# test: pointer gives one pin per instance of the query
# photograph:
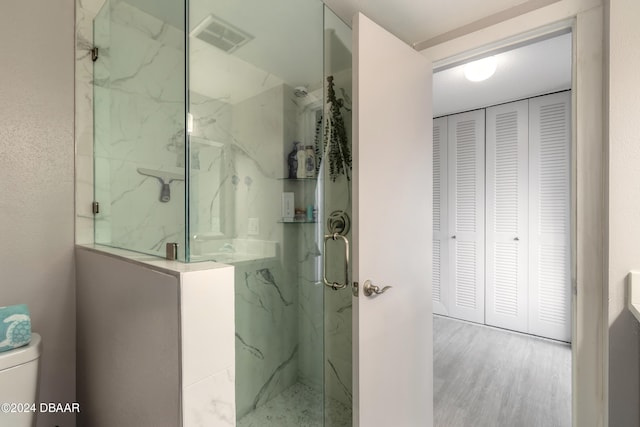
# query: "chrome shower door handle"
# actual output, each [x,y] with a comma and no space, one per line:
[370,289]
[336,285]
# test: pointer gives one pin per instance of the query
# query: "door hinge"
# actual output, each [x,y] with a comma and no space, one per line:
[94,53]
[95,208]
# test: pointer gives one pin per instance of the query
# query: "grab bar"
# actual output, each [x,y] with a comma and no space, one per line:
[336,285]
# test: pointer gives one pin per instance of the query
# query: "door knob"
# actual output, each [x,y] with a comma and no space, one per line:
[370,289]
[516,238]
[453,237]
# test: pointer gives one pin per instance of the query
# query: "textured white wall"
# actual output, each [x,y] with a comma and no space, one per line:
[624,209]
[36,183]
[129,311]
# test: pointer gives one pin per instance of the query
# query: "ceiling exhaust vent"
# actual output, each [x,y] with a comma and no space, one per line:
[221,34]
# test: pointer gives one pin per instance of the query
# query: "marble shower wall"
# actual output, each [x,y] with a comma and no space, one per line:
[261,126]
[269,313]
[309,267]
[267,350]
[266,304]
[212,192]
[139,110]
[317,327]
[142,94]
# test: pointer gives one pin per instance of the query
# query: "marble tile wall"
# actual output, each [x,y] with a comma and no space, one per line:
[267,350]
[266,300]
[310,315]
[286,321]
[136,88]
[212,192]
[267,308]
[309,246]
[146,108]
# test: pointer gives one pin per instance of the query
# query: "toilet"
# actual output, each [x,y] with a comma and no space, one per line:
[19,370]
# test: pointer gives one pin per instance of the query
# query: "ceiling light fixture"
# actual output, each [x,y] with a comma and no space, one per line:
[481,69]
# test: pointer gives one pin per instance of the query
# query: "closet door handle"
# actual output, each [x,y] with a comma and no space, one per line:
[453,237]
[516,238]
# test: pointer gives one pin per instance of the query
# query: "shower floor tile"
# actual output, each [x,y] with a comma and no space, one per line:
[297,406]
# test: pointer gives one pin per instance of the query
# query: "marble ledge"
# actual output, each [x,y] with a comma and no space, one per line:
[174,268]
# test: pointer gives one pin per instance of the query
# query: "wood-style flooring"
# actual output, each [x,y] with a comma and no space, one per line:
[487,377]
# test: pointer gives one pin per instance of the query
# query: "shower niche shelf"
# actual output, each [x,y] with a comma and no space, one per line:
[304,190]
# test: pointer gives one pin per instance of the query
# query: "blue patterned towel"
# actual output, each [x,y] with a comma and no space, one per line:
[15,327]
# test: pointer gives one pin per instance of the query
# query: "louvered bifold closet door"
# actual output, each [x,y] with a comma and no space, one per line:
[549,222]
[466,215]
[440,235]
[507,211]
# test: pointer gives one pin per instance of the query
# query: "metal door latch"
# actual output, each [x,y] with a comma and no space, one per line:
[370,289]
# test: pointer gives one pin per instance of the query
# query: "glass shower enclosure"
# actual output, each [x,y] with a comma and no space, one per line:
[224,127]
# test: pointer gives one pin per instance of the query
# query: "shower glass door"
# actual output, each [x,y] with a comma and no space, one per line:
[259,194]
[336,183]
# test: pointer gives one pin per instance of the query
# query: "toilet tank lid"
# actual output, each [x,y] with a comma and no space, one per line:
[18,356]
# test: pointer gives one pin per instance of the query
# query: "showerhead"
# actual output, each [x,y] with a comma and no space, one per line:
[300,91]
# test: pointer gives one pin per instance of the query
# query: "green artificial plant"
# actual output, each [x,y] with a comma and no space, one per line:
[336,147]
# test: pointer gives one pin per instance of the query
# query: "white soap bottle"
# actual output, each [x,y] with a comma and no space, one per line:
[310,163]
[301,156]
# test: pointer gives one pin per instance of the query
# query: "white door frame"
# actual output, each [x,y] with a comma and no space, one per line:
[589,307]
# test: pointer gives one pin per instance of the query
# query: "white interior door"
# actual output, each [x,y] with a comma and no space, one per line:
[392,230]
[550,186]
[466,215]
[507,211]
[440,288]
